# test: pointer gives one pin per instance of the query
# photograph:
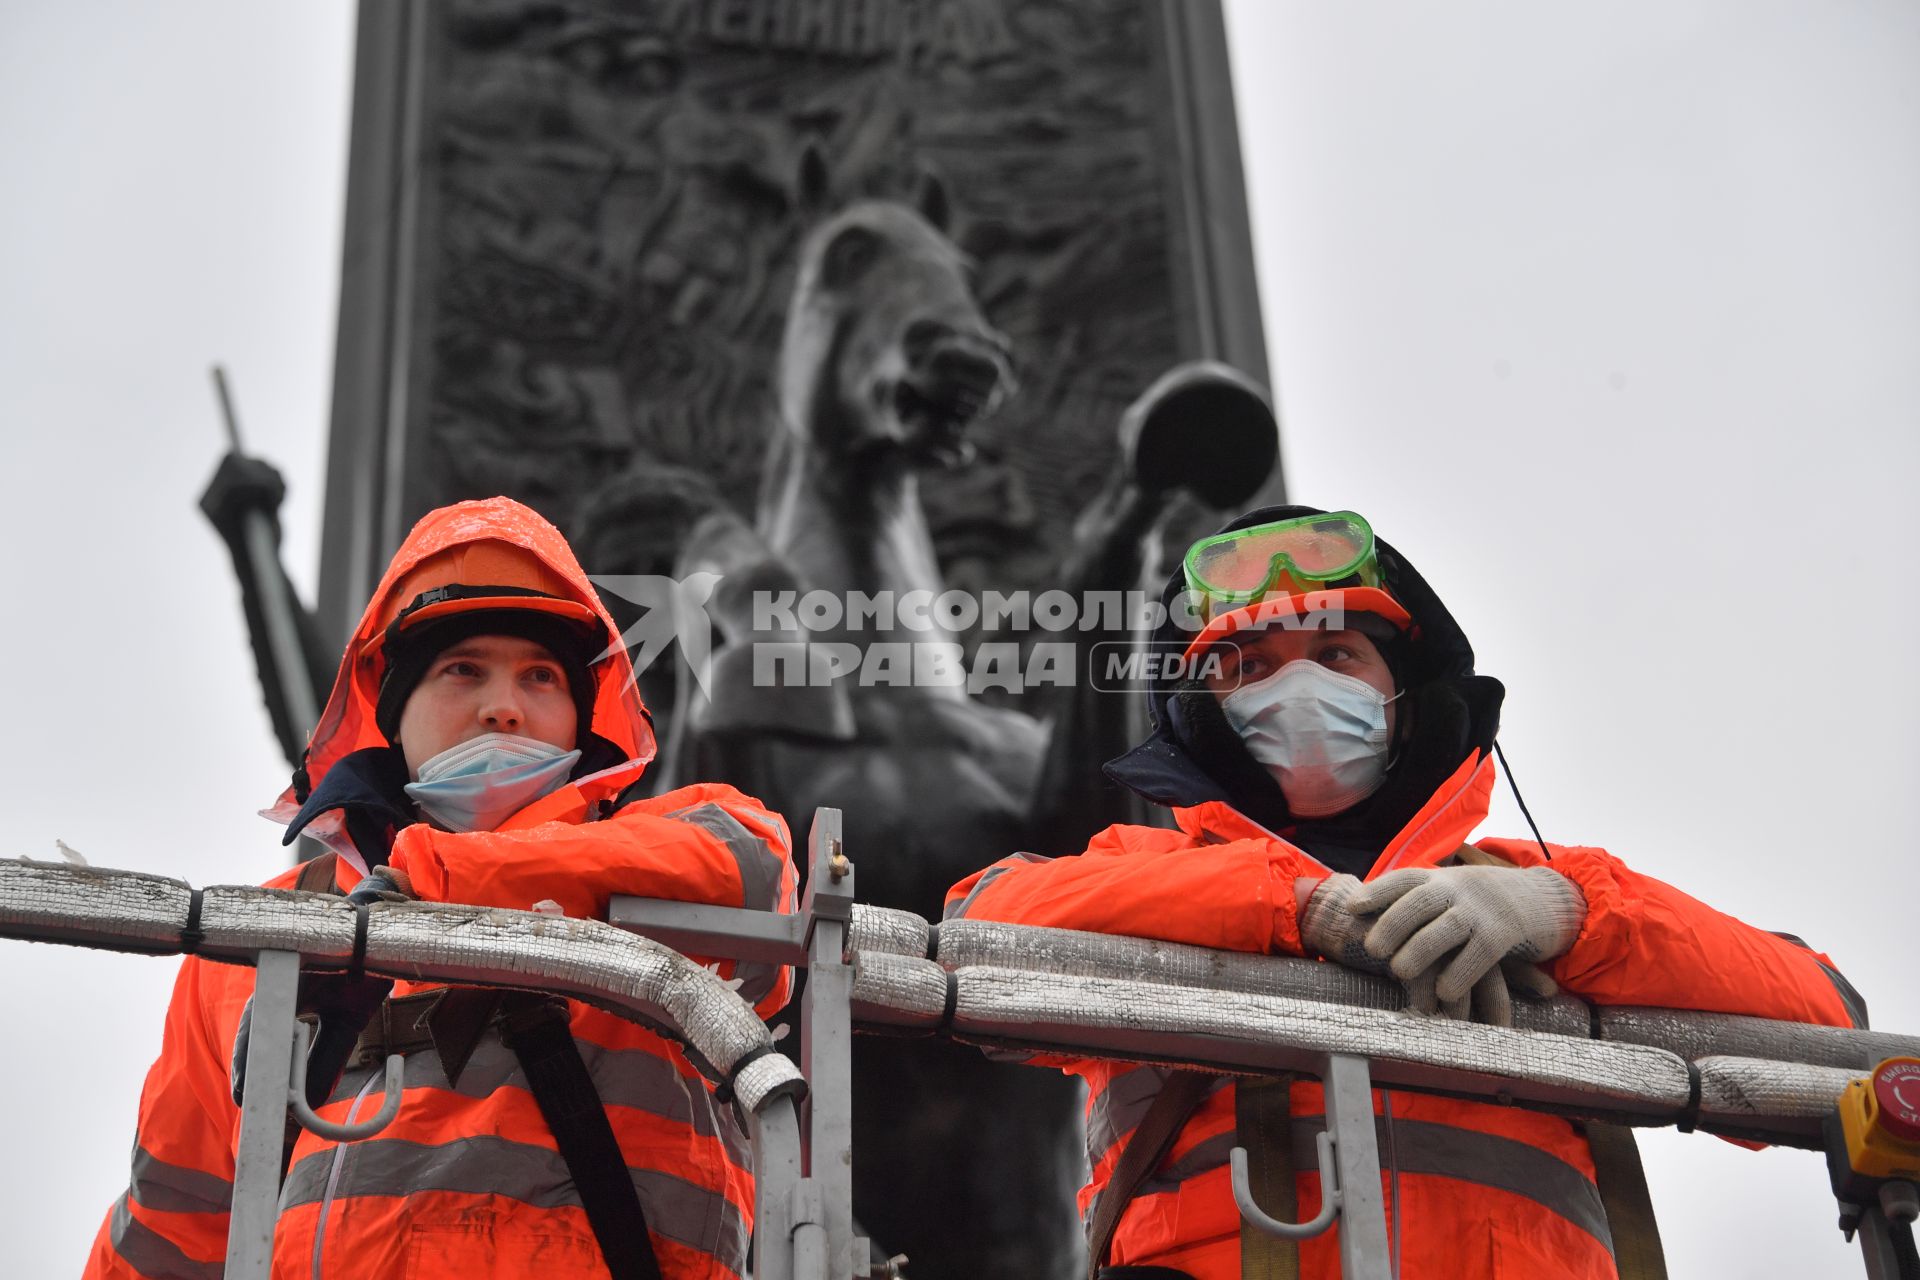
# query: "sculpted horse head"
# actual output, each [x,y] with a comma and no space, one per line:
[886,352]
[887,361]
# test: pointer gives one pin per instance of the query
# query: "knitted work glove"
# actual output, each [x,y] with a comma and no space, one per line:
[1329,927]
[382,884]
[1465,929]
[1332,927]
[1490,1000]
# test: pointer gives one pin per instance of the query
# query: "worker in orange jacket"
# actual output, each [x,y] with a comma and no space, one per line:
[481,745]
[1325,758]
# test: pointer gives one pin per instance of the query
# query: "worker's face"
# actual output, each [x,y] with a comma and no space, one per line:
[487,684]
[1251,656]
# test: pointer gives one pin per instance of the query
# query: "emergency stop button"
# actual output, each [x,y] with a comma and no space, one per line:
[1896,1088]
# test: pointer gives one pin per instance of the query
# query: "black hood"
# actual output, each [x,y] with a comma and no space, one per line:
[1193,755]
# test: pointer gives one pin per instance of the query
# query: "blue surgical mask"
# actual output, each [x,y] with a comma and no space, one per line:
[480,783]
[1322,735]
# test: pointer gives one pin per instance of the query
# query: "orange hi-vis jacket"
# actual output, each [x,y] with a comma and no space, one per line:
[1472,1190]
[467,1181]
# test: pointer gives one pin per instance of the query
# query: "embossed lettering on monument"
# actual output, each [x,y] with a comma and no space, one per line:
[967,29]
[616,241]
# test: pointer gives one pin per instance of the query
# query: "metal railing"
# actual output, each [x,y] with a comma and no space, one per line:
[995,985]
[281,933]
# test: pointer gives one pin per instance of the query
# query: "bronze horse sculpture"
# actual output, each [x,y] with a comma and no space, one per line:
[968,1167]
[887,362]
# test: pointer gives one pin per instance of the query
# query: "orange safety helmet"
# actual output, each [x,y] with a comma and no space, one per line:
[488,574]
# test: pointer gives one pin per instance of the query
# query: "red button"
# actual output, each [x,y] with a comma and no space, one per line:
[1896,1085]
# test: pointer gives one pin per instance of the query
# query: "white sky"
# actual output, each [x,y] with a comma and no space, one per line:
[1607,314]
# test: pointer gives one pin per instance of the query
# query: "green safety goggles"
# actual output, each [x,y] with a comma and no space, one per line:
[1311,553]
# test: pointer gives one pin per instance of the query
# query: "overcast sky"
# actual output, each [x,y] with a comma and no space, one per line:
[1607,314]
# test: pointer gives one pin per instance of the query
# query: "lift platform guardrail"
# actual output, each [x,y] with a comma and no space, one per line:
[1008,987]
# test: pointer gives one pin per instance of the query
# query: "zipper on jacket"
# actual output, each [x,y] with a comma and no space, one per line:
[333,1173]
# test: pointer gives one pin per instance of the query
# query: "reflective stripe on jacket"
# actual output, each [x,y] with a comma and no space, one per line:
[1471,1190]
[467,1181]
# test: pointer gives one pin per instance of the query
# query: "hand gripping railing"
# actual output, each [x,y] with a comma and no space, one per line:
[1013,987]
[1022,988]
[1134,999]
[281,932]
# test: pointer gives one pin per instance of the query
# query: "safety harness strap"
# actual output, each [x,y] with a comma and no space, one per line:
[1623,1190]
[316,876]
[535,1028]
[1152,1138]
[1263,1124]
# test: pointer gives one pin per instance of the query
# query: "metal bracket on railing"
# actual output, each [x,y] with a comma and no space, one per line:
[807,1211]
[263,1116]
[276,1079]
[312,1123]
[1349,1155]
[1885,1226]
[826,1042]
[1250,1208]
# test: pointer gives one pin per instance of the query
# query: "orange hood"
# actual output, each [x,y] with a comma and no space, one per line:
[347,724]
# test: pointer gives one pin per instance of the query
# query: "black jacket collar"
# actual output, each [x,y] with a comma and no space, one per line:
[370,787]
